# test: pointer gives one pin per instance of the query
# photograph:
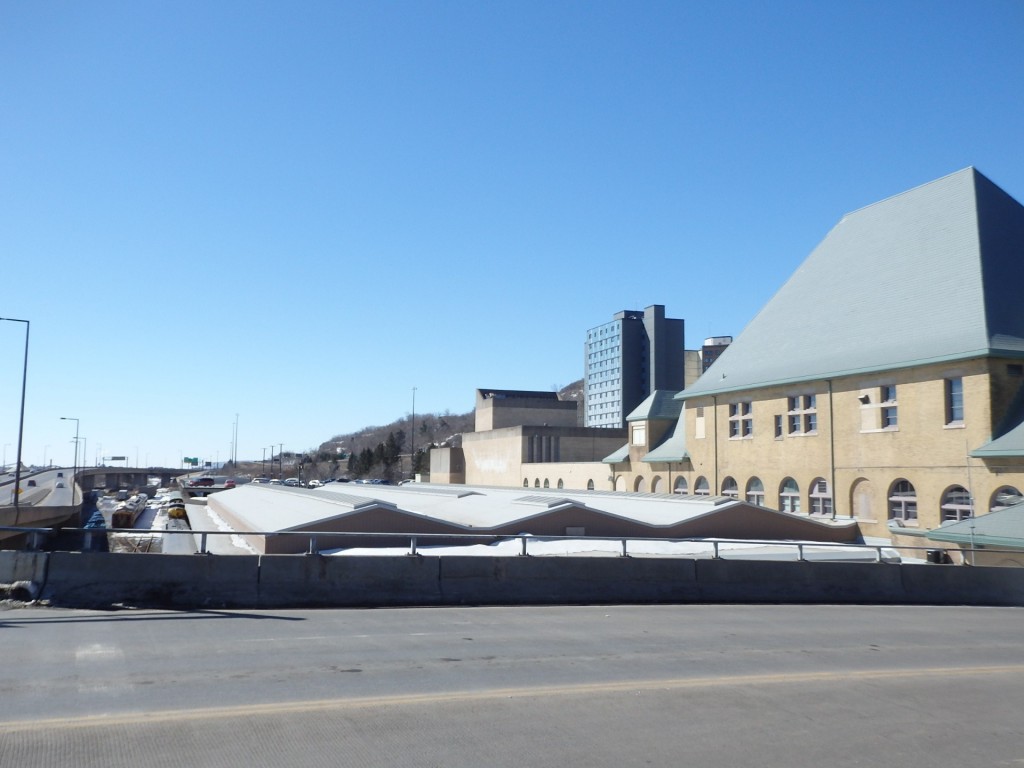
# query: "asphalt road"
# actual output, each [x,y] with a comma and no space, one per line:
[567,686]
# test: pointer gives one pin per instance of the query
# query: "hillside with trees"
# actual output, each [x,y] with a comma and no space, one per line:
[383,452]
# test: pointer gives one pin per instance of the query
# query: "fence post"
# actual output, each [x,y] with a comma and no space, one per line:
[624,553]
[202,543]
[312,546]
[715,556]
[522,551]
[412,546]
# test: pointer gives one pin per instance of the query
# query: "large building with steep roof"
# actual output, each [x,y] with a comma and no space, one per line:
[884,381]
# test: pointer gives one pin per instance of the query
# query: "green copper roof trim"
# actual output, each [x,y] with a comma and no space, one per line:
[825,376]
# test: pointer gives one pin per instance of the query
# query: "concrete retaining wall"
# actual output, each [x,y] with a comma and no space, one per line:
[99,579]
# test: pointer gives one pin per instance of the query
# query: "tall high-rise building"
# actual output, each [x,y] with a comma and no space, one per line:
[626,359]
[712,349]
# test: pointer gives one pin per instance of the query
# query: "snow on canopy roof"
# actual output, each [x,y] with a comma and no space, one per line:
[273,508]
[930,275]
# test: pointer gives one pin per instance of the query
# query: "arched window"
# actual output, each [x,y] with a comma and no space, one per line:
[546,483]
[560,484]
[681,488]
[956,504]
[701,487]
[656,484]
[1005,497]
[590,485]
[821,497]
[902,501]
[789,495]
[730,489]
[526,482]
[755,491]
[536,483]
[640,485]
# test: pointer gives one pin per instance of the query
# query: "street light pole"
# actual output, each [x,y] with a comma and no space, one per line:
[412,449]
[74,472]
[21,420]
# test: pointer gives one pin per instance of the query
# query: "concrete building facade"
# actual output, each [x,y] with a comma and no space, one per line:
[628,358]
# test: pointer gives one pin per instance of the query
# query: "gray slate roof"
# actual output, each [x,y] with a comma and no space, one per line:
[672,448]
[659,405]
[929,275]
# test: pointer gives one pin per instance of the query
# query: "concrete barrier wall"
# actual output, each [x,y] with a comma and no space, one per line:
[172,581]
[281,581]
[22,566]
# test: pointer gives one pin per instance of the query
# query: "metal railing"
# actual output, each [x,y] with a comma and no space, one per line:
[718,548]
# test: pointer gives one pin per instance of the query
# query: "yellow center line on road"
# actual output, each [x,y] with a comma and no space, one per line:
[166,717]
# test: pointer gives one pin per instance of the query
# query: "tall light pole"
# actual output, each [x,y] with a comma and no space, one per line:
[412,448]
[46,449]
[74,471]
[6,445]
[21,420]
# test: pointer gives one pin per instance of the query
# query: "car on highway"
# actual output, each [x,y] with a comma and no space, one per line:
[202,482]
[59,484]
[229,483]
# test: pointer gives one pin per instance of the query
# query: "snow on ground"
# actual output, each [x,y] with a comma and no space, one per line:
[537,547]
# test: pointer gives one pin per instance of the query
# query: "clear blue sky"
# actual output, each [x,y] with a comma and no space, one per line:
[297,212]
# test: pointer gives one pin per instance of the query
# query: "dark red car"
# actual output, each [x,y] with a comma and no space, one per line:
[202,482]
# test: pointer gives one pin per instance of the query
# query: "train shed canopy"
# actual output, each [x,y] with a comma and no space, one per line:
[345,514]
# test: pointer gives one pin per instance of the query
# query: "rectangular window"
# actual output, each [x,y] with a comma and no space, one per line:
[741,420]
[778,427]
[955,401]
[640,435]
[803,414]
[889,420]
[887,396]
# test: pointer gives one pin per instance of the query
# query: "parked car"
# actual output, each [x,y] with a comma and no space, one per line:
[313,484]
[292,481]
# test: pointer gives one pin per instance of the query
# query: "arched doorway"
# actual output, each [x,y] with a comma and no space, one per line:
[860,500]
